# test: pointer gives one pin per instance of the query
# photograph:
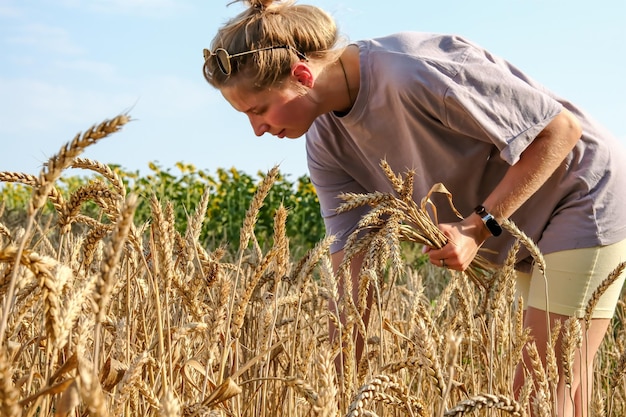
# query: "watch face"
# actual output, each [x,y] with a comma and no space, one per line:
[493,227]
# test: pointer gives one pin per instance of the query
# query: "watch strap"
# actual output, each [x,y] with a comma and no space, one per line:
[489,221]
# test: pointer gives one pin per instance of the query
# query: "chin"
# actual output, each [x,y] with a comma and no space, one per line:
[295,135]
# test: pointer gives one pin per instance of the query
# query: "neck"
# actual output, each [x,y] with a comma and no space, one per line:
[345,76]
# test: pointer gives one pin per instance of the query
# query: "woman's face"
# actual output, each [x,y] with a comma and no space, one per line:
[284,112]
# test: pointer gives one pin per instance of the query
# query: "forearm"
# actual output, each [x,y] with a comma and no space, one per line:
[536,164]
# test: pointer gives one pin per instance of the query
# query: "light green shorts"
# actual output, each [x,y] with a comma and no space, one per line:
[572,276]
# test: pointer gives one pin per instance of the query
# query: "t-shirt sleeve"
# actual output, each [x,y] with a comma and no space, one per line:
[490,99]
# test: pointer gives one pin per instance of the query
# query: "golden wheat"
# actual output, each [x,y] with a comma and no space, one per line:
[111,319]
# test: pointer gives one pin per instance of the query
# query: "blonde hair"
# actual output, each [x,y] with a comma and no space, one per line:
[307,29]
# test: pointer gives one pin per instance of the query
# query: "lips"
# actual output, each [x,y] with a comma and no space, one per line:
[281,134]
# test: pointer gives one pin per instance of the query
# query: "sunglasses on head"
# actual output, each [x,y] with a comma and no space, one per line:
[223,57]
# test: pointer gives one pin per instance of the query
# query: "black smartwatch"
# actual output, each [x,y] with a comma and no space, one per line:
[490,222]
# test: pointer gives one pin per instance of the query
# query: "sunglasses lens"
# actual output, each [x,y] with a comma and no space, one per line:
[223,60]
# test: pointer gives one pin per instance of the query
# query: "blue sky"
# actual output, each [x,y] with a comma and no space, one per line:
[68,64]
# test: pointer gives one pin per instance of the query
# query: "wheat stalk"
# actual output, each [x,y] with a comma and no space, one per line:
[59,361]
[45,185]
[242,304]
[106,282]
[406,220]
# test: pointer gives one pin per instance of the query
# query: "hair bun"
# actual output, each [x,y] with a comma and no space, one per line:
[261,4]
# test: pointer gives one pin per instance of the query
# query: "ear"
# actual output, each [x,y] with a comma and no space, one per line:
[303,74]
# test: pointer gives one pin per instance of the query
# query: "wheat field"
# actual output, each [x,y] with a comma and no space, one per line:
[105,317]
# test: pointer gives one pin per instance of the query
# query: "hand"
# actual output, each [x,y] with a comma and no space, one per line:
[464,240]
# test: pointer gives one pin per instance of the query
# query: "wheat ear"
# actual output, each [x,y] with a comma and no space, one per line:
[247,230]
[394,179]
[9,394]
[102,169]
[485,401]
[552,367]
[604,285]
[572,340]
[66,155]
[90,389]
[114,251]
[376,389]
[194,224]
[428,351]
[170,405]
[326,376]
[618,371]
[97,191]
[242,304]
[528,243]
[4,231]
[542,392]
[302,274]
[130,381]
[598,408]
[90,244]
[53,194]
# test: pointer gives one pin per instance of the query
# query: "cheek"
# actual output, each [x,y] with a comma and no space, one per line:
[295,112]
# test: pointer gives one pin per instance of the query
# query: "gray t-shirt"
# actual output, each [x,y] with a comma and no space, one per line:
[458,115]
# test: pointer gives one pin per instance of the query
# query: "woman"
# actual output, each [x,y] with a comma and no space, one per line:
[503,145]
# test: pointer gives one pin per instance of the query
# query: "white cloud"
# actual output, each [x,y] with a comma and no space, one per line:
[7,11]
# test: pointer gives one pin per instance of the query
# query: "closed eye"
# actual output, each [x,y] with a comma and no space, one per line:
[256,112]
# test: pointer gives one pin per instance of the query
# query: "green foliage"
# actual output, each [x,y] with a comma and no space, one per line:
[231,192]
[14,195]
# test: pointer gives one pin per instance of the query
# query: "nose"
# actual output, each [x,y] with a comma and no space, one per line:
[258,125]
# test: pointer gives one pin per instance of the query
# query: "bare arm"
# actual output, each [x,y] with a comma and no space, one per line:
[536,164]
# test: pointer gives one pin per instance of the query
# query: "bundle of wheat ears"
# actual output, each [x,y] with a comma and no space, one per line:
[114,318]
